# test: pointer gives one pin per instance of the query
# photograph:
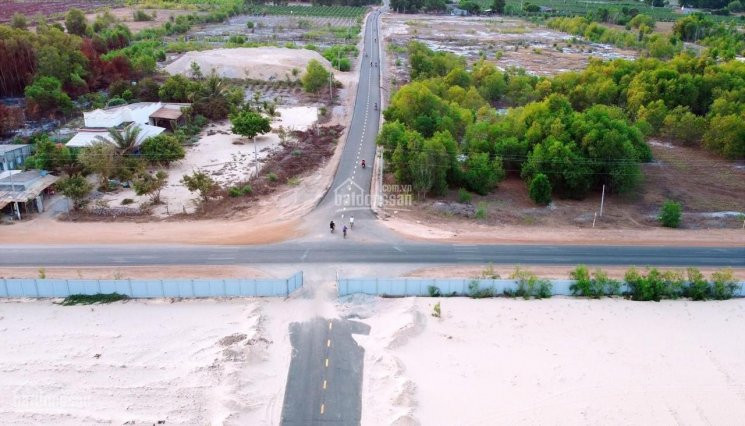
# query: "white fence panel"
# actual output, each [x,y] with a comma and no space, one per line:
[269,287]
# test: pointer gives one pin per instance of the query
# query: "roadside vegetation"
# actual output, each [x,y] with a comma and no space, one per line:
[650,284]
[90,299]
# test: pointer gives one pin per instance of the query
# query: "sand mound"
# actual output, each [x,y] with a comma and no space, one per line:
[259,63]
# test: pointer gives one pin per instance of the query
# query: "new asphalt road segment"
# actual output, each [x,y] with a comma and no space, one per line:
[325,378]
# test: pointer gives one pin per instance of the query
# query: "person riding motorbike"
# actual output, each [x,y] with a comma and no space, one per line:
[376,106]
[345,231]
[351,222]
[332,225]
[363,164]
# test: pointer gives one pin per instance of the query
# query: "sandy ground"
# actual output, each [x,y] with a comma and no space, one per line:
[542,271]
[258,63]
[161,271]
[228,158]
[472,232]
[183,362]
[555,361]
[191,362]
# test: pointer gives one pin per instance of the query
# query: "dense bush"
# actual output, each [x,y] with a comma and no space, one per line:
[475,291]
[594,286]
[540,189]
[162,149]
[529,285]
[670,214]
[654,285]
[316,77]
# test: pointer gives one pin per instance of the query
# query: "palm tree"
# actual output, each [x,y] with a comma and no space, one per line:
[125,141]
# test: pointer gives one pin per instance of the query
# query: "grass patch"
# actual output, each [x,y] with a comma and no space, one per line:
[90,299]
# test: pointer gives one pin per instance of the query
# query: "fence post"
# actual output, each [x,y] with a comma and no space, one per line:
[98,282]
[131,293]
[36,287]
[406,286]
[162,288]
[5,286]
[67,283]
[377,287]
[224,288]
[287,287]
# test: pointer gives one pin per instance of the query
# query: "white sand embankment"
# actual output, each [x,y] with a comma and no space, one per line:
[140,362]
[257,63]
[557,361]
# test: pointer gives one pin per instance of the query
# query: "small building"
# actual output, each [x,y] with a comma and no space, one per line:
[13,156]
[27,188]
[153,118]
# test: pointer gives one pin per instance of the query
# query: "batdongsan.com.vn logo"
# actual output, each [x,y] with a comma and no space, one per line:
[349,195]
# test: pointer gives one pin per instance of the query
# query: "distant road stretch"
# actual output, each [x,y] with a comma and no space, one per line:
[354,252]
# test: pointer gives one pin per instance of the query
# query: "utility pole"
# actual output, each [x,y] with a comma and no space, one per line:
[602,199]
[256,156]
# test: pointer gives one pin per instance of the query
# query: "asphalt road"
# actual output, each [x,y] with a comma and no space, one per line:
[348,251]
[324,383]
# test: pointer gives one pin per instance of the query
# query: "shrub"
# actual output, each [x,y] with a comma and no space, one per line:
[723,285]
[250,25]
[476,292]
[127,201]
[316,77]
[89,299]
[698,287]
[655,285]
[433,291]
[272,177]
[162,149]
[436,311]
[239,191]
[140,15]
[540,189]
[670,214]
[596,286]
[464,196]
[481,211]
[529,285]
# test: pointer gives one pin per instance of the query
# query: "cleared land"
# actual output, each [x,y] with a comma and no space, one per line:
[558,361]
[191,362]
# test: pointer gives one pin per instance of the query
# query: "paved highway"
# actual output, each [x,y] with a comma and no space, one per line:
[347,251]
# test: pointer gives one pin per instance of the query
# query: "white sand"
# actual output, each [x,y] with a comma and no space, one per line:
[258,63]
[556,361]
[142,362]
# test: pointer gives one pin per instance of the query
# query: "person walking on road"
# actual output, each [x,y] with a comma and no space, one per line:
[351,222]
[345,231]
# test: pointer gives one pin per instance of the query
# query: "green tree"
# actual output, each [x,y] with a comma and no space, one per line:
[497,7]
[152,185]
[249,124]
[49,156]
[100,158]
[540,189]
[162,149]
[201,183]
[316,77]
[125,140]
[178,88]
[75,22]
[482,174]
[46,96]
[76,188]
[670,214]
[726,135]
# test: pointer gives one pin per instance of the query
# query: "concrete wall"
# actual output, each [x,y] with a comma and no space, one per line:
[420,286]
[270,287]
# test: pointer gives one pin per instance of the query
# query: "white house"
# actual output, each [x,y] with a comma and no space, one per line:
[148,116]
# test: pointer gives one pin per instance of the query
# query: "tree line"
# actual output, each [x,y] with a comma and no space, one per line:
[567,135]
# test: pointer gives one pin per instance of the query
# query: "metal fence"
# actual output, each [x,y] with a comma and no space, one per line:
[188,288]
[459,287]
